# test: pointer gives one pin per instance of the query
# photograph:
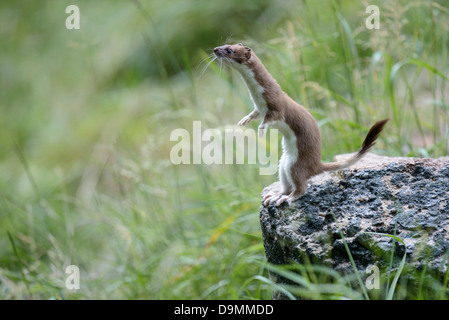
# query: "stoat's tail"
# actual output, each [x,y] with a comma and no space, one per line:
[368,143]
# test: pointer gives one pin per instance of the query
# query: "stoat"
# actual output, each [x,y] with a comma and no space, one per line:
[301,142]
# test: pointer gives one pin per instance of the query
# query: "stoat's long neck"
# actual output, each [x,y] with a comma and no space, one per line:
[261,85]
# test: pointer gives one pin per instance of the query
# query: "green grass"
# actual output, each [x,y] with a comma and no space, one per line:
[87,115]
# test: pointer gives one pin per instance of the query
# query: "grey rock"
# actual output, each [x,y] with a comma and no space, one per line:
[403,196]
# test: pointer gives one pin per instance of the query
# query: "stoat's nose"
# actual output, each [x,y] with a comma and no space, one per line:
[216,50]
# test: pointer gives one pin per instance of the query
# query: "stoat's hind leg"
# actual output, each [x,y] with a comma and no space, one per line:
[286,185]
[299,186]
[295,195]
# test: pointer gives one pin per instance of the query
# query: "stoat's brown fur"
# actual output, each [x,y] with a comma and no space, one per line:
[301,143]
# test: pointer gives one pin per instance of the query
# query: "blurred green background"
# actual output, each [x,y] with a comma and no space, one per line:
[86,116]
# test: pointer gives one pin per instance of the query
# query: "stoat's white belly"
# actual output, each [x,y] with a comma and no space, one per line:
[288,140]
[254,88]
[288,158]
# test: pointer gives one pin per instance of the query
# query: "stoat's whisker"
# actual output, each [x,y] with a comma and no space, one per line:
[221,66]
[213,58]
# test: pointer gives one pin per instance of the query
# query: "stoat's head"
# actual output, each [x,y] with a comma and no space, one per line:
[235,53]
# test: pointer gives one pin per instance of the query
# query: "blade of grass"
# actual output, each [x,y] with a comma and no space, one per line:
[359,279]
[24,279]
[313,289]
[351,61]
[275,286]
[392,288]
[296,278]
[443,289]
[26,167]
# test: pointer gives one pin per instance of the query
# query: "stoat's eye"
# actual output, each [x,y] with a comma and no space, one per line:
[229,51]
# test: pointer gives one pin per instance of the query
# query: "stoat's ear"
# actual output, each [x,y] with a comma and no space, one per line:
[247,52]
[240,44]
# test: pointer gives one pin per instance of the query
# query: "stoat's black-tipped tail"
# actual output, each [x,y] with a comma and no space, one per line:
[371,137]
[368,143]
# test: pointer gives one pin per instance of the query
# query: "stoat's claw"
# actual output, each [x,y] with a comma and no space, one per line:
[275,199]
[262,130]
[267,196]
[282,199]
[244,121]
[267,199]
[266,202]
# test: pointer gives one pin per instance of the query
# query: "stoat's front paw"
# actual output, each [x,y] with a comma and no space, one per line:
[262,130]
[244,121]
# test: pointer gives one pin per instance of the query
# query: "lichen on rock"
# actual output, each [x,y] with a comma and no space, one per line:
[408,197]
